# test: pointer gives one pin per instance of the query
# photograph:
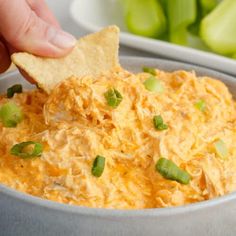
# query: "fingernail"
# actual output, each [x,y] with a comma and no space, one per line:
[62,39]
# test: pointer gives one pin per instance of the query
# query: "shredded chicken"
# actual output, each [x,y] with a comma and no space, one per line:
[75,124]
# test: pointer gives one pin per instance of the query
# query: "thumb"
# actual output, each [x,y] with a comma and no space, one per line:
[4,57]
[25,31]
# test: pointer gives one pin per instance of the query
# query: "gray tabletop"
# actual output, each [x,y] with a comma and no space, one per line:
[61,11]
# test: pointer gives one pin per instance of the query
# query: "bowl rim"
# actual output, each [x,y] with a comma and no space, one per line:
[104,212]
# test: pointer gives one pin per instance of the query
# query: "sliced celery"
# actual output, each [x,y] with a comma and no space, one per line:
[144,18]
[221,149]
[207,6]
[203,8]
[10,114]
[181,13]
[164,5]
[218,28]
[153,84]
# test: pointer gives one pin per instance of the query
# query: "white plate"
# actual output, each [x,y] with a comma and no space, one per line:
[93,15]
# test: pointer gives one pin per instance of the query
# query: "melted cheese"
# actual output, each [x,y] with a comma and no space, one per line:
[75,124]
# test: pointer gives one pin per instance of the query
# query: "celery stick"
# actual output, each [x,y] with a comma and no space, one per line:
[218,28]
[164,5]
[203,8]
[145,18]
[181,13]
[207,6]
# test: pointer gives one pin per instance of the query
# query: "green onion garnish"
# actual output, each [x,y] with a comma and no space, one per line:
[17,88]
[113,97]
[169,170]
[153,84]
[221,149]
[200,105]
[149,70]
[10,114]
[98,166]
[20,149]
[159,123]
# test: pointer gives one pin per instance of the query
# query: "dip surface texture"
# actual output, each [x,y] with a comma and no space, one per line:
[75,124]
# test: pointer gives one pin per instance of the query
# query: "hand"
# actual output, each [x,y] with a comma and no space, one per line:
[28,25]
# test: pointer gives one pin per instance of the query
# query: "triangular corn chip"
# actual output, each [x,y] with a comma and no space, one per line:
[93,54]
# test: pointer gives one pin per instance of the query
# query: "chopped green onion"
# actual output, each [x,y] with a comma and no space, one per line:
[113,97]
[169,170]
[159,123]
[17,88]
[181,14]
[98,166]
[20,149]
[10,114]
[200,105]
[221,149]
[149,70]
[153,84]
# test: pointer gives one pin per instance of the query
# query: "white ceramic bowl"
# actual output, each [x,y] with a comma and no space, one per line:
[22,214]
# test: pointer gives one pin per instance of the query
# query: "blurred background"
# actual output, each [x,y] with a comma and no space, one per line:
[61,9]
[200,32]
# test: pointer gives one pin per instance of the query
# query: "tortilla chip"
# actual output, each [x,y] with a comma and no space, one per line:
[93,54]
